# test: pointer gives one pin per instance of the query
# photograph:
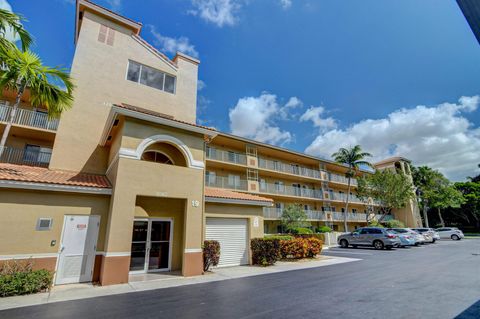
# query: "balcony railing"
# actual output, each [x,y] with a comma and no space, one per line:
[226,156]
[343,197]
[361,217]
[288,168]
[276,213]
[28,118]
[341,179]
[225,182]
[280,189]
[25,157]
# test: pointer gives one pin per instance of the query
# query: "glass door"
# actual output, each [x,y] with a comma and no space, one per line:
[151,245]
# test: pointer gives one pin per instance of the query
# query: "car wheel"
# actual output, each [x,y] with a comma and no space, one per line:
[389,247]
[416,244]
[344,243]
[377,244]
[455,237]
[433,241]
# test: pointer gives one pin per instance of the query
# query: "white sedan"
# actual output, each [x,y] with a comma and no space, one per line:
[450,233]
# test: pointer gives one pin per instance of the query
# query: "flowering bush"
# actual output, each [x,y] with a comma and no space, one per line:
[265,251]
[211,254]
[314,246]
[300,248]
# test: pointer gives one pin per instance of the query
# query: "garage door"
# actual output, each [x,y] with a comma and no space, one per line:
[232,234]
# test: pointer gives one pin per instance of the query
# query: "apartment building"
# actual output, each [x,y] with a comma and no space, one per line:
[126,182]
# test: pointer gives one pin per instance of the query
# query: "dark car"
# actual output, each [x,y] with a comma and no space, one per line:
[378,238]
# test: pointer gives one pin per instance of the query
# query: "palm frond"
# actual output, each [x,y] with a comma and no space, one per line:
[11,21]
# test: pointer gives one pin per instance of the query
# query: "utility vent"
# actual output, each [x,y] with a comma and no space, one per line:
[44,224]
[106,35]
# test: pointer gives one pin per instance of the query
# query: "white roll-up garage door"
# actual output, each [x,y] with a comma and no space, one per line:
[232,234]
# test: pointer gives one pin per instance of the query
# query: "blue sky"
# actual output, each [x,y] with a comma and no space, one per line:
[314,75]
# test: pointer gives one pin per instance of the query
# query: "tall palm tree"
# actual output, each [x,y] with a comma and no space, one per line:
[353,158]
[48,87]
[11,22]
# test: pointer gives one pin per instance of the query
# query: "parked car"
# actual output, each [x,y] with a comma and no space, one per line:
[379,238]
[434,235]
[406,239]
[450,233]
[419,238]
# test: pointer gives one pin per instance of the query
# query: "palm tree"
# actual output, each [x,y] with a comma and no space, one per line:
[353,158]
[11,22]
[49,87]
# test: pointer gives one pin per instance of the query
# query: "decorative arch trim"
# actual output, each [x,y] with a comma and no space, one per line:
[162,138]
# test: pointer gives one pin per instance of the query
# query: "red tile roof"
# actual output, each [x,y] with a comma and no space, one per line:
[157,114]
[228,194]
[24,173]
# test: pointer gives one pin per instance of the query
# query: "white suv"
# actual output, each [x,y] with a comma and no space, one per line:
[450,233]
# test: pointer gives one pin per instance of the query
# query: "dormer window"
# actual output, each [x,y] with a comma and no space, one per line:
[150,77]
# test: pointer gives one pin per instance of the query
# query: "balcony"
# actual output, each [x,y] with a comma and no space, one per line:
[225,182]
[288,168]
[337,178]
[343,197]
[226,156]
[32,157]
[359,217]
[276,213]
[280,189]
[29,118]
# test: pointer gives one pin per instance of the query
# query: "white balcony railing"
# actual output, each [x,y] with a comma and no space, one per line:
[343,197]
[226,156]
[26,156]
[288,168]
[225,182]
[28,118]
[276,213]
[280,189]
[341,179]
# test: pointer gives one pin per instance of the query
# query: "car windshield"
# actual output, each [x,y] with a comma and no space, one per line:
[403,231]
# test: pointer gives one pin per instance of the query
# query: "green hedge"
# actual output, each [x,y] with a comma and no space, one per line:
[23,283]
[280,237]
[265,251]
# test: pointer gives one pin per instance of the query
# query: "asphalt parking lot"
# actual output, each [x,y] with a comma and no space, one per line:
[440,280]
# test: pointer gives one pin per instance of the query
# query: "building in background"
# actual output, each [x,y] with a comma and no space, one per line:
[126,182]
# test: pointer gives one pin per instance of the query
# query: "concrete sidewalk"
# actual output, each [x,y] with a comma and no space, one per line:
[160,281]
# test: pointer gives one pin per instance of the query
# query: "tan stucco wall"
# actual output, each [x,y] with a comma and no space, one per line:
[238,211]
[149,207]
[20,210]
[99,72]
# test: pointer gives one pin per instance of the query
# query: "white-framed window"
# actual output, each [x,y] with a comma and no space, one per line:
[151,77]
[263,184]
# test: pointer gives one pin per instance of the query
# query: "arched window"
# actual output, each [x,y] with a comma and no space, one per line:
[157,157]
[164,153]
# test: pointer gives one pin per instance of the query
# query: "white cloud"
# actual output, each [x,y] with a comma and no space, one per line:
[315,114]
[255,118]
[115,4]
[438,136]
[286,3]
[219,12]
[201,85]
[294,102]
[172,45]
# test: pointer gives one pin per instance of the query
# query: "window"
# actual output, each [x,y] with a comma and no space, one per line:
[150,77]
[211,178]
[279,207]
[44,224]
[157,157]
[231,156]
[354,210]
[333,209]
[211,152]
[276,165]
[343,210]
[279,187]
[263,184]
[234,180]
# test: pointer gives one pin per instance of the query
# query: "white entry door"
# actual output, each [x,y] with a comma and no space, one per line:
[78,249]
[232,234]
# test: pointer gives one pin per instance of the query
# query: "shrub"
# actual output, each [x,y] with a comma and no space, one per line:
[393,223]
[318,236]
[295,248]
[302,231]
[18,278]
[280,237]
[314,246]
[375,223]
[266,251]
[211,254]
[324,229]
